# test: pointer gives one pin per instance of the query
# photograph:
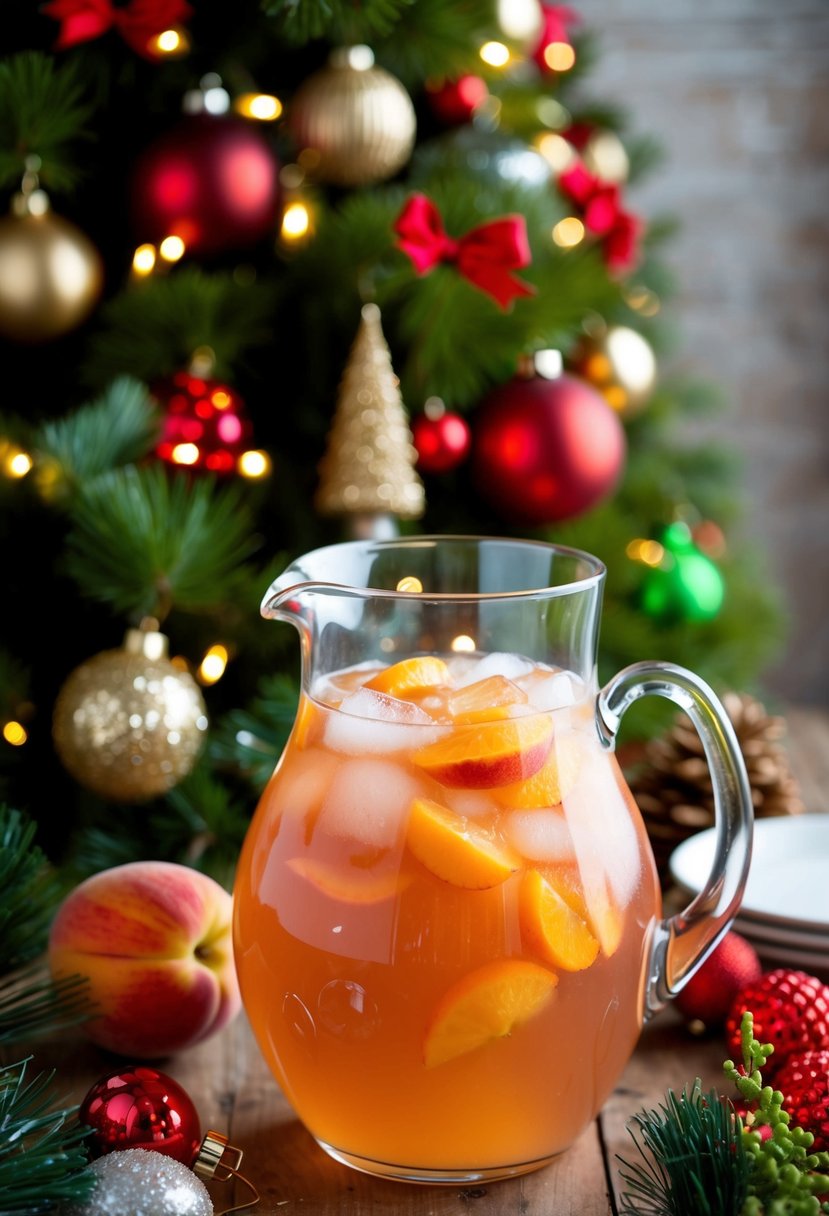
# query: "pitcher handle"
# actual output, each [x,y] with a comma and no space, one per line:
[681,943]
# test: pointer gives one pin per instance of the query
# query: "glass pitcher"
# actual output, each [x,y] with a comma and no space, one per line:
[448,925]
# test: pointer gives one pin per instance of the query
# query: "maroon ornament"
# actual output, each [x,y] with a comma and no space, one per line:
[205,426]
[441,442]
[804,1082]
[791,1011]
[212,181]
[728,969]
[140,1107]
[454,102]
[545,450]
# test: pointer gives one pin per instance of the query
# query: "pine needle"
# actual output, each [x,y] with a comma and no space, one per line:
[249,741]
[30,891]
[342,22]
[41,112]
[32,1004]
[42,1161]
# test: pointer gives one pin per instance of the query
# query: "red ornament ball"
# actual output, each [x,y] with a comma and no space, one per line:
[140,1107]
[455,101]
[441,442]
[791,1011]
[545,450]
[205,426]
[732,965]
[212,180]
[804,1082]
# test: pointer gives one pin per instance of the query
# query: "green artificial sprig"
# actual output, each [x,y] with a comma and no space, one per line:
[783,1177]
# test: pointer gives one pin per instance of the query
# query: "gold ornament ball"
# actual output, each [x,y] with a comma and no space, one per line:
[128,724]
[50,276]
[620,364]
[354,122]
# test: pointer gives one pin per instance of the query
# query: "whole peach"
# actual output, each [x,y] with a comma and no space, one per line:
[153,939]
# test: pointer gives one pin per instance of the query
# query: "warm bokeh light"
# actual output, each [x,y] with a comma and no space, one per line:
[212,666]
[559,56]
[463,643]
[296,222]
[17,463]
[171,42]
[262,106]
[185,453]
[495,54]
[14,733]
[643,300]
[254,464]
[172,248]
[648,551]
[558,152]
[220,398]
[143,260]
[410,583]
[568,232]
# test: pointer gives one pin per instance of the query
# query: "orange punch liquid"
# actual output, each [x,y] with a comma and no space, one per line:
[442,911]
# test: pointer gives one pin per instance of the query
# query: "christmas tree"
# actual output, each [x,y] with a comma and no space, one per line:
[202,215]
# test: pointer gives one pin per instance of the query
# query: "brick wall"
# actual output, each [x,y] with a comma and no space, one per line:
[737,91]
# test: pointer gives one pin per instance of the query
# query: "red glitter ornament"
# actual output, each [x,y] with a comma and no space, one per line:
[546,450]
[204,425]
[212,181]
[804,1082]
[728,969]
[140,1107]
[455,101]
[791,1011]
[442,441]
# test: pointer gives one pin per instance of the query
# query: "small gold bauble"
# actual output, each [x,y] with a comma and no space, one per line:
[50,273]
[620,364]
[128,724]
[354,122]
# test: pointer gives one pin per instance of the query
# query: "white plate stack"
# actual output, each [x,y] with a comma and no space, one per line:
[785,909]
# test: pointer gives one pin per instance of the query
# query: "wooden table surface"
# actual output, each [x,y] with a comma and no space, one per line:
[235,1094]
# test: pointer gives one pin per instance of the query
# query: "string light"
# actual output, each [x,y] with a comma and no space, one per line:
[185,453]
[296,221]
[568,232]
[463,643]
[170,43]
[143,260]
[16,462]
[262,106]
[254,464]
[212,666]
[559,56]
[495,54]
[172,248]
[650,552]
[15,733]
[411,584]
[558,152]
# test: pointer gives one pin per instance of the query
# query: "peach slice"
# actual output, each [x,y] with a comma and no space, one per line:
[490,754]
[454,850]
[410,677]
[550,783]
[551,928]
[341,884]
[485,1005]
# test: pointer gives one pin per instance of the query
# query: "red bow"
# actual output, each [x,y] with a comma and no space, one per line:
[137,23]
[555,19]
[485,256]
[603,215]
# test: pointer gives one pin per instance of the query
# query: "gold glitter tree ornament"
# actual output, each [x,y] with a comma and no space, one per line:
[128,724]
[367,473]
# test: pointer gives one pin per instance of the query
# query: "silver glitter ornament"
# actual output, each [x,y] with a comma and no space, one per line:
[141,1182]
[128,724]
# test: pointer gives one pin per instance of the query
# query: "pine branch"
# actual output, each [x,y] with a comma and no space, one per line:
[340,21]
[31,1003]
[42,1160]
[153,329]
[144,541]
[30,891]
[41,111]
[117,429]
[249,742]
[434,39]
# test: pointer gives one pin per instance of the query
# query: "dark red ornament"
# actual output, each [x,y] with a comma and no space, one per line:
[212,181]
[205,426]
[728,969]
[441,442]
[140,1107]
[791,1011]
[545,450]
[455,101]
[804,1082]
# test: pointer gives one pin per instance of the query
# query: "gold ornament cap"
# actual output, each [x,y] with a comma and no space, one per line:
[219,1160]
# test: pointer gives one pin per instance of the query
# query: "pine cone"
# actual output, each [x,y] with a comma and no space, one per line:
[672,783]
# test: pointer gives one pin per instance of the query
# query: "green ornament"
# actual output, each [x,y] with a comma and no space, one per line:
[686,585]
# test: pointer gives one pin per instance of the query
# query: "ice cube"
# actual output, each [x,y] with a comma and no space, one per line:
[471,804]
[499,663]
[552,692]
[486,694]
[368,800]
[371,721]
[539,835]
